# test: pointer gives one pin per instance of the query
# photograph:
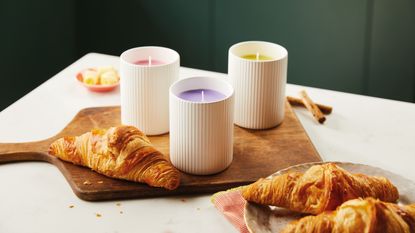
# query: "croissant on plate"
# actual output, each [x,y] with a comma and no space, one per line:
[359,215]
[320,188]
[122,152]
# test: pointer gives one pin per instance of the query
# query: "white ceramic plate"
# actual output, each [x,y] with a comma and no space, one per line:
[265,219]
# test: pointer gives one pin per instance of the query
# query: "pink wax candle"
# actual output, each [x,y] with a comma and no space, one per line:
[149,62]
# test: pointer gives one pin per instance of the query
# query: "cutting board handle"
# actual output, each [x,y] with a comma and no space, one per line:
[28,151]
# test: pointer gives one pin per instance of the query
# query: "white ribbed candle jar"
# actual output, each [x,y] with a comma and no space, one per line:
[145,88]
[201,133]
[259,84]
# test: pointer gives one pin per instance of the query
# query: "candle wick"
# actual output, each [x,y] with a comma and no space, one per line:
[257,56]
[203,96]
[149,60]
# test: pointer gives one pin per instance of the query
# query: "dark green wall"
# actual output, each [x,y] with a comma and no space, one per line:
[391,61]
[36,42]
[359,46]
[324,39]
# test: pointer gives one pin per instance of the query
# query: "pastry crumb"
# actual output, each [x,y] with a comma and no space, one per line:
[197,208]
[118,204]
[71,206]
[98,215]
[86,182]
[121,212]
[183,200]
[100,182]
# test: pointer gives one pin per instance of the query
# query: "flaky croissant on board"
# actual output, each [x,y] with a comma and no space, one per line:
[122,152]
[321,187]
[359,215]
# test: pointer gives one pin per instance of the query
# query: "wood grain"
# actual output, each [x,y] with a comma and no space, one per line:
[257,153]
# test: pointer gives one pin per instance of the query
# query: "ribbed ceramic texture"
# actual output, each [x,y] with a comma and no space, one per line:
[145,96]
[201,135]
[259,91]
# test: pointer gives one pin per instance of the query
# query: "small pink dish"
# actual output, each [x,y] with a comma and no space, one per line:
[96,87]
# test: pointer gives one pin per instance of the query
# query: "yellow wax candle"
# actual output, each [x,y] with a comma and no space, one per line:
[257,57]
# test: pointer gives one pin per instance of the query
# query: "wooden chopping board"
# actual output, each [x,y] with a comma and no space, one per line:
[257,153]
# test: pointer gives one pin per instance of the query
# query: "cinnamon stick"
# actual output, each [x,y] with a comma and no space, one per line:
[299,102]
[312,107]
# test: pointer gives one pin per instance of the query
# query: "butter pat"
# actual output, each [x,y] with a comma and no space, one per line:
[103,69]
[90,77]
[109,77]
[104,75]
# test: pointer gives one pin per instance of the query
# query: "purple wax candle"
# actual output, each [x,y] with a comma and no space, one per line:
[202,95]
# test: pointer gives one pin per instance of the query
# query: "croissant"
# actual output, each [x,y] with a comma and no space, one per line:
[122,152]
[320,188]
[359,215]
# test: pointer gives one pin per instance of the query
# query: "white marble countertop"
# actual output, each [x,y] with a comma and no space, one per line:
[35,196]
